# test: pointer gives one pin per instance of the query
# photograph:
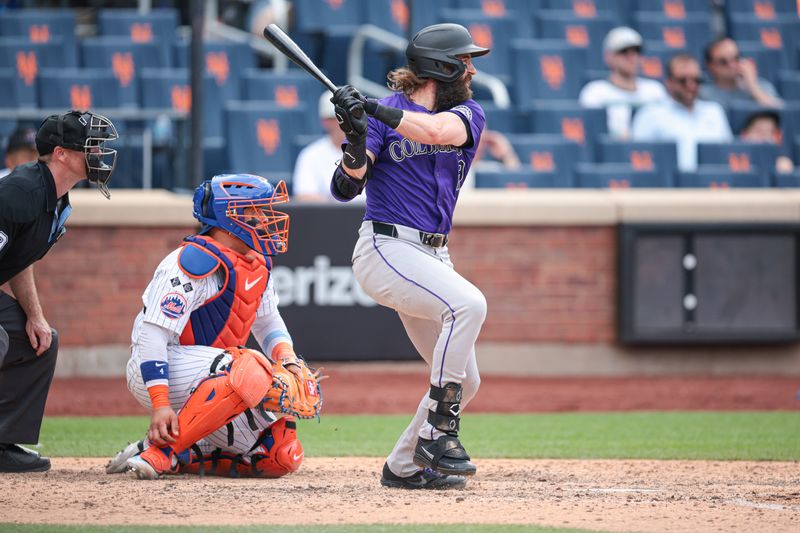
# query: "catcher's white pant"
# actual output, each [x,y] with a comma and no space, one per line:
[441,311]
[187,366]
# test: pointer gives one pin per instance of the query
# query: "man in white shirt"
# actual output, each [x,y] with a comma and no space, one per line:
[317,161]
[683,118]
[623,92]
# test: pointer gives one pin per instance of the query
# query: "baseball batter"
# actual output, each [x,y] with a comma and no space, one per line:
[207,295]
[412,155]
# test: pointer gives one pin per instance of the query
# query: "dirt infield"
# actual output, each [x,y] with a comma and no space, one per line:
[657,496]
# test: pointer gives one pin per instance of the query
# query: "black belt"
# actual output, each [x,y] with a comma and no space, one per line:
[437,240]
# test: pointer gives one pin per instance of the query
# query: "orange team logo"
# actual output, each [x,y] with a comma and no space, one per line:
[39,33]
[674,9]
[400,14]
[268,134]
[481,35]
[720,185]
[642,160]
[335,4]
[739,162]
[181,98]
[764,10]
[584,8]
[542,161]
[578,36]
[771,38]
[217,65]
[552,68]
[493,8]
[141,32]
[80,97]
[123,67]
[674,37]
[651,67]
[572,128]
[286,96]
[26,66]
[619,184]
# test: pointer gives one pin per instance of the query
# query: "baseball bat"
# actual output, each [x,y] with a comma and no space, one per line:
[289,48]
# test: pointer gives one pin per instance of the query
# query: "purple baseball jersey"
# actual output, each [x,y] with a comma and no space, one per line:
[416,184]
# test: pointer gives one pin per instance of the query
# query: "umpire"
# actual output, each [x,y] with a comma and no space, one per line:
[34,205]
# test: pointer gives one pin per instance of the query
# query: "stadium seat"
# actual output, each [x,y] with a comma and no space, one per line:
[520,11]
[18,95]
[503,120]
[225,62]
[43,26]
[660,157]
[546,70]
[672,9]
[720,177]
[568,119]
[335,48]
[688,34]
[654,62]
[517,179]
[494,33]
[761,9]
[739,112]
[125,59]
[589,9]
[27,59]
[392,16]
[158,25]
[317,16]
[616,176]
[768,60]
[78,89]
[585,34]
[290,90]
[790,85]
[779,33]
[549,154]
[740,157]
[787,180]
[261,135]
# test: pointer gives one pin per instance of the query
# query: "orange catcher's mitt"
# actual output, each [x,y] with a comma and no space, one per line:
[295,389]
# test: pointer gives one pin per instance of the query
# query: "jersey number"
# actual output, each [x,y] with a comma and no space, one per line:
[461,174]
[3,240]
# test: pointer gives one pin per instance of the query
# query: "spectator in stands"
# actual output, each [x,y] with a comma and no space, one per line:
[734,78]
[623,92]
[21,148]
[317,161]
[683,118]
[765,127]
[494,154]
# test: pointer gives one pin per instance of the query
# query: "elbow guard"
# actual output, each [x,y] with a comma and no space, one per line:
[344,188]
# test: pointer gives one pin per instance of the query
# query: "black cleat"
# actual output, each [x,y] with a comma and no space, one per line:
[424,479]
[445,455]
[16,459]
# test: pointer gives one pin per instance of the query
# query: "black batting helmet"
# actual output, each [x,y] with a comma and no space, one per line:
[433,51]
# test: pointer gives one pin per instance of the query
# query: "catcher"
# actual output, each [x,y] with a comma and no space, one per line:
[217,407]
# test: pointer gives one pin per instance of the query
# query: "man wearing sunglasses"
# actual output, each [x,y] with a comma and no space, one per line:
[683,119]
[34,205]
[623,91]
[735,78]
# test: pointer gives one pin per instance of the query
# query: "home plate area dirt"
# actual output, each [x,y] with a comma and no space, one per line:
[657,496]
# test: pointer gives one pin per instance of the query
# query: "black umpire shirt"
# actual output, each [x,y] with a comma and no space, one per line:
[27,213]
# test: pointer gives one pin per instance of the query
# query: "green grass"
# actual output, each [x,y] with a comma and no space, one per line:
[349,528]
[770,436]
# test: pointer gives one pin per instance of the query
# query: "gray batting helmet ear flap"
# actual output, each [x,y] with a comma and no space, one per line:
[433,52]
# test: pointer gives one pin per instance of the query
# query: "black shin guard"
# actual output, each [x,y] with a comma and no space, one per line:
[446,416]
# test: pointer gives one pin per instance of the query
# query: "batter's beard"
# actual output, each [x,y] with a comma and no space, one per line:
[450,94]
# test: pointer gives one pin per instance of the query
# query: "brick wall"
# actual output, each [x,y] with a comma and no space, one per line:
[543,284]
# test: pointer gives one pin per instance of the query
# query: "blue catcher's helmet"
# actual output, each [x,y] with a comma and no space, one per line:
[242,205]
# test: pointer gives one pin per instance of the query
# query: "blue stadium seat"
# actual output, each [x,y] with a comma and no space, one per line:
[78,89]
[261,136]
[154,26]
[43,26]
[517,179]
[225,62]
[616,176]
[761,9]
[494,33]
[336,46]
[18,95]
[520,11]
[319,15]
[688,34]
[740,157]
[27,59]
[503,120]
[654,62]
[549,155]
[126,60]
[545,70]
[739,112]
[779,33]
[720,177]
[787,181]
[390,15]
[584,34]
[660,157]
[790,85]
[672,9]
[290,90]
[767,60]
[589,9]
[568,119]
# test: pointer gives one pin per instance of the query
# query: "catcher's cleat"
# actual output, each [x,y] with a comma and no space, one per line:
[119,463]
[153,462]
[445,455]
[423,479]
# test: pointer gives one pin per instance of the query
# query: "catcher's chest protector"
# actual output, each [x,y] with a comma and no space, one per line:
[225,319]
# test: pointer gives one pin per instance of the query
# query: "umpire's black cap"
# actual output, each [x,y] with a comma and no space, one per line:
[68,130]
